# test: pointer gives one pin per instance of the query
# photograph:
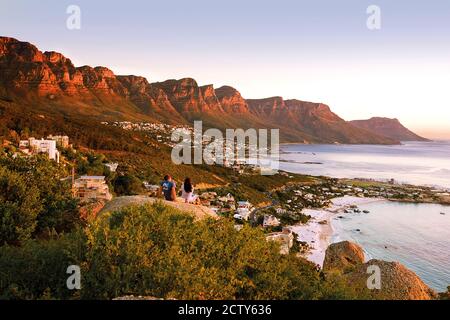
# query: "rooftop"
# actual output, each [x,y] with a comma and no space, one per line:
[92,177]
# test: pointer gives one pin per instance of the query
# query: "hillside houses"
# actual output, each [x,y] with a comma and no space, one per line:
[91,188]
[284,238]
[270,221]
[227,205]
[244,208]
[112,166]
[34,146]
[152,189]
[61,141]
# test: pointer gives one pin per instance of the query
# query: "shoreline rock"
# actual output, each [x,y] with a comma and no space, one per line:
[396,281]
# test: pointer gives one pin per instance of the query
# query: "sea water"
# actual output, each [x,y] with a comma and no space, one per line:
[416,235]
[420,163]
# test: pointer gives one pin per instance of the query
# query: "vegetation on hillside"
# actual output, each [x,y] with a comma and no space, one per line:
[35,200]
[158,251]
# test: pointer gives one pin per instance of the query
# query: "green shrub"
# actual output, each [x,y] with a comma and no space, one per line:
[154,250]
[19,208]
[158,251]
[36,187]
[127,185]
[38,268]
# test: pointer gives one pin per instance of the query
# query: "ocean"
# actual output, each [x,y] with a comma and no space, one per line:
[416,235]
[420,163]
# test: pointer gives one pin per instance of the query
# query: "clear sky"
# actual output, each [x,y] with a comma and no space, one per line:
[317,50]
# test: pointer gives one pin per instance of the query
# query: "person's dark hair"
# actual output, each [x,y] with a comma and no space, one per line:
[187,185]
[166,178]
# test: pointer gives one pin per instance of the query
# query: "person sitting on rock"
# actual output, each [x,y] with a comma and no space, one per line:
[168,189]
[187,192]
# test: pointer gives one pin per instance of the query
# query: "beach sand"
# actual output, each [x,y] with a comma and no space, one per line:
[318,232]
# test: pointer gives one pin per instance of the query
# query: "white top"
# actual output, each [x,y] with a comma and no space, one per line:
[189,196]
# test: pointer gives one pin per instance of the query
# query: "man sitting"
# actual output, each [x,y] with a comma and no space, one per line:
[168,189]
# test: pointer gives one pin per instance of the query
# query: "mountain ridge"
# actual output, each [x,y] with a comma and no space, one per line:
[32,77]
[388,127]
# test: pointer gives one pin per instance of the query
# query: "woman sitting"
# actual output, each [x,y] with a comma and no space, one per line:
[187,192]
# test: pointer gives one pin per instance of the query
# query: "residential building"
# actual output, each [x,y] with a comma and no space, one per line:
[285,239]
[112,166]
[153,189]
[34,146]
[92,187]
[270,221]
[61,141]
[243,211]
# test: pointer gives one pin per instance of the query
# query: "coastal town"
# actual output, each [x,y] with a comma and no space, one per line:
[288,205]
[267,152]
[241,163]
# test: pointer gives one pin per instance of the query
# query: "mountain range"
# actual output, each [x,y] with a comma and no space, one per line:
[391,128]
[48,81]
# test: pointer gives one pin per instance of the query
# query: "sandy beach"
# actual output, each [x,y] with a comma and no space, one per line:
[318,232]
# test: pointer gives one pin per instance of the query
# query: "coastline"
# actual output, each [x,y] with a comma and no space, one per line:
[318,232]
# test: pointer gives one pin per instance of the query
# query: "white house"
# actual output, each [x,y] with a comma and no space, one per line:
[243,211]
[284,238]
[270,221]
[34,146]
[92,187]
[112,166]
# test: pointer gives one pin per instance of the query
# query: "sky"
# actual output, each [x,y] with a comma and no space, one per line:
[319,50]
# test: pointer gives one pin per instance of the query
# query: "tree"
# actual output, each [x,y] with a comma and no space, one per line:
[19,208]
[57,209]
[127,185]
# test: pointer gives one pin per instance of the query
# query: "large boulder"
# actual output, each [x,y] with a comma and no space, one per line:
[119,203]
[396,282]
[343,256]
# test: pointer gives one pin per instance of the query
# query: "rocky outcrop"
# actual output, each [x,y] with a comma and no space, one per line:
[391,128]
[231,100]
[343,256]
[397,282]
[200,212]
[188,97]
[151,99]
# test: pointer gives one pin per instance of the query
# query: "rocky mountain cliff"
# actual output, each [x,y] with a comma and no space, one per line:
[49,81]
[391,128]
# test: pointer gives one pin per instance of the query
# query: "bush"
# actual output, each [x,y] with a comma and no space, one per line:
[158,251]
[19,208]
[37,270]
[127,185]
[38,185]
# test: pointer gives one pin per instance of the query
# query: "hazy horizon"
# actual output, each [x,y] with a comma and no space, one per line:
[321,51]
